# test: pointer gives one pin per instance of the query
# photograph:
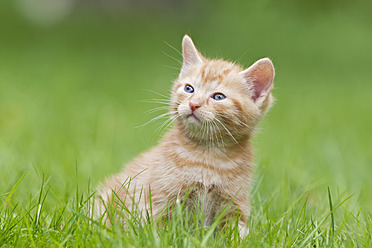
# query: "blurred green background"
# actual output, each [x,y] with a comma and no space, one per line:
[74,77]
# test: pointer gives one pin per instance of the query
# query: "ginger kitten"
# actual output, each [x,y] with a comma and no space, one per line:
[216,106]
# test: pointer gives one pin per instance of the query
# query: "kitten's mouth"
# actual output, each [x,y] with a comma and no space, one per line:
[192,117]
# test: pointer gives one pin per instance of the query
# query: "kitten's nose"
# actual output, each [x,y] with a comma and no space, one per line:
[194,105]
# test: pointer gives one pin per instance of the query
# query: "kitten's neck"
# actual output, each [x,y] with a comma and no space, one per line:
[213,146]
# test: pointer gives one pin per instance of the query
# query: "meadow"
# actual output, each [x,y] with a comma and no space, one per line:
[73,94]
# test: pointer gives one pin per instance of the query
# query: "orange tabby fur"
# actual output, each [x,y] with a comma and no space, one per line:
[208,150]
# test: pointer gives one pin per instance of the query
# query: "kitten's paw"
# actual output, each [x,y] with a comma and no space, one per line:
[243,231]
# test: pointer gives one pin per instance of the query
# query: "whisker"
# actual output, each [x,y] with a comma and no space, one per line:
[157,118]
[242,123]
[157,100]
[162,125]
[237,121]
[215,129]
[227,130]
[243,54]
[172,67]
[212,132]
[220,133]
[204,130]
[160,101]
[157,93]
[149,101]
[173,48]
[156,109]
[173,119]
[172,57]
[201,131]
[210,135]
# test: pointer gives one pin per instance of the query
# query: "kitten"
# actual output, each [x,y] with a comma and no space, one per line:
[215,106]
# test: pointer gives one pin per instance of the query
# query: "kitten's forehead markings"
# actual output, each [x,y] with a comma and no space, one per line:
[215,71]
[205,88]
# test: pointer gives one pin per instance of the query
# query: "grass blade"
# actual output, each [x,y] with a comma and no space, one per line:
[318,226]
[331,210]
[12,191]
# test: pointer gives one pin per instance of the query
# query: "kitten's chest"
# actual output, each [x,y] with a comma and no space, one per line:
[204,169]
[201,175]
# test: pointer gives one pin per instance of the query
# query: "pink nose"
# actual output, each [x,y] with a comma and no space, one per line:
[194,106]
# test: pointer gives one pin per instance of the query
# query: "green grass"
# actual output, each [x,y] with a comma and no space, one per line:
[72,94]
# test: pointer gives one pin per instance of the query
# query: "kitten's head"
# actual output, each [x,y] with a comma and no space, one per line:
[216,100]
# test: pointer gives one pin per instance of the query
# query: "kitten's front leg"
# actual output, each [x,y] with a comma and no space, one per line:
[243,218]
[243,230]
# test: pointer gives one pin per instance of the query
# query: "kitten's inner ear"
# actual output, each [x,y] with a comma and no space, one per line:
[261,76]
[191,56]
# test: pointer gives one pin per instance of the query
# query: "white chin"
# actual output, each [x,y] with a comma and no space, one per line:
[193,119]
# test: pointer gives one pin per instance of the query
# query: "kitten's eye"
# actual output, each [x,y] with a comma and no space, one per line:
[218,96]
[189,89]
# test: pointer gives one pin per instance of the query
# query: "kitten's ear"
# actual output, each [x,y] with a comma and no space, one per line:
[190,54]
[260,76]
